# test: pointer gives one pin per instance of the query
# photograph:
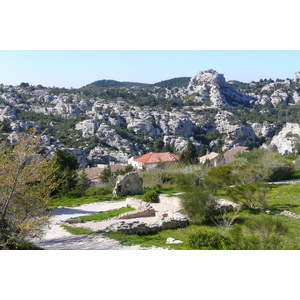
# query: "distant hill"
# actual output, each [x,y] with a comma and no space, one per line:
[175,82]
[114,83]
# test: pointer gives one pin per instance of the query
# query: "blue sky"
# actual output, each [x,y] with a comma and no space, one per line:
[75,68]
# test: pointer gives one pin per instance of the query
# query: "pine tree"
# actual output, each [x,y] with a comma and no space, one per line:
[83,183]
[189,156]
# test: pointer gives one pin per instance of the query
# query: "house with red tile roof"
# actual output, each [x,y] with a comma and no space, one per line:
[151,159]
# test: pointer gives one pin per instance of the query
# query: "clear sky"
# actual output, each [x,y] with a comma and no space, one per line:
[76,68]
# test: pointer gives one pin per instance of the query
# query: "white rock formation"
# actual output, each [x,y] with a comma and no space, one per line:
[287,140]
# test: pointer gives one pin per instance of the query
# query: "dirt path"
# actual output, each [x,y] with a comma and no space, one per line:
[56,238]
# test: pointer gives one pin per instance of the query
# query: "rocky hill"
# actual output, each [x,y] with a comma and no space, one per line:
[100,123]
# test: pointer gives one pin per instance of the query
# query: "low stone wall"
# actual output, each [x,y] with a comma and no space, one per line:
[141,228]
[174,201]
[148,212]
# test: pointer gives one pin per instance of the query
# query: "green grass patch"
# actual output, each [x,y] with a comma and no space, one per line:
[104,215]
[76,230]
[159,239]
[76,201]
[284,197]
[296,174]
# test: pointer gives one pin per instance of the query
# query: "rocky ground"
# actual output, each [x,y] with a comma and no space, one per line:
[115,124]
[56,238]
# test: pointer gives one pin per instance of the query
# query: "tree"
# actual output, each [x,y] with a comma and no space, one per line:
[83,183]
[106,175]
[66,166]
[158,145]
[188,156]
[26,181]
[24,84]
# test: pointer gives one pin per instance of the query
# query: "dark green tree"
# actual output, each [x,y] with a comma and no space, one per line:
[189,156]
[168,148]
[158,145]
[83,183]
[106,175]
[66,172]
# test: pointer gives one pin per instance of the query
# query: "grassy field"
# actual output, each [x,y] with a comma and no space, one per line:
[290,240]
[158,239]
[280,197]
[76,201]
[284,197]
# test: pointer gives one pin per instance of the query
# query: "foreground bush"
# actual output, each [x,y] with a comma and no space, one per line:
[151,196]
[198,205]
[279,167]
[261,233]
[208,240]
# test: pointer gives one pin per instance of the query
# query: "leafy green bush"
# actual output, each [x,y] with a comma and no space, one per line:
[279,167]
[208,240]
[198,204]
[93,191]
[261,233]
[248,193]
[151,196]
[219,177]
[186,180]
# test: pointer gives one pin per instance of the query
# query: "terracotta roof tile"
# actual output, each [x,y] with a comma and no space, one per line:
[151,158]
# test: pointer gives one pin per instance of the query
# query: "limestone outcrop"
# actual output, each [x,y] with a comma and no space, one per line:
[128,184]
[287,140]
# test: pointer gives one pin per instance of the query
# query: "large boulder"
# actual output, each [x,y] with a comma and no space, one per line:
[128,184]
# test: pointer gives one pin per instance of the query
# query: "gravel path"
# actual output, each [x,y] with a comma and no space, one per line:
[56,238]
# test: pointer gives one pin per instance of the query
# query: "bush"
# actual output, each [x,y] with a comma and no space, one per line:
[248,193]
[208,240]
[198,204]
[151,196]
[186,180]
[93,191]
[262,233]
[279,167]
[219,177]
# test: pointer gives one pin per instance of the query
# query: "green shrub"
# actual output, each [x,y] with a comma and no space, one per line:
[208,240]
[93,191]
[261,233]
[219,177]
[198,204]
[151,196]
[279,167]
[248,193]
[186,180]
